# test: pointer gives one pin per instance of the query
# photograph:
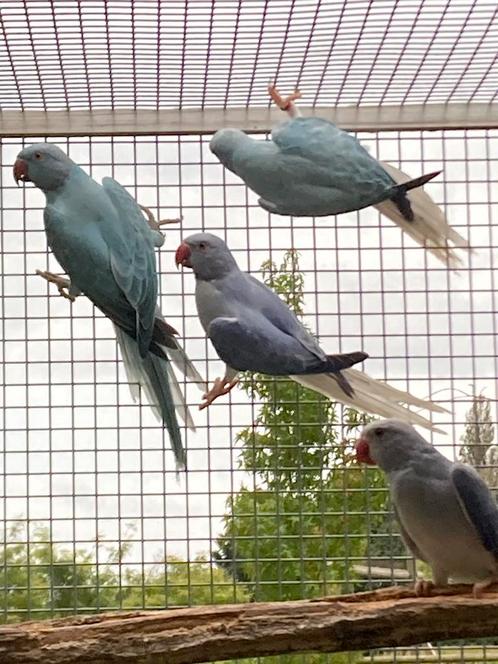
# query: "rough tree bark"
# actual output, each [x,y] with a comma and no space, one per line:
[388,617]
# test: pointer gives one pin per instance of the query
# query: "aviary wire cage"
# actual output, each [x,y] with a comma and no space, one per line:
[93,517]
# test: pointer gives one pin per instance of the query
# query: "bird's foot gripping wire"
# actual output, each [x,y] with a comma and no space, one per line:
[285,103]
[423,588]
[63,284]
[220,387]
[155,225]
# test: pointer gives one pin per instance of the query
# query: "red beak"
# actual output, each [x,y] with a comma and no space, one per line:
[182,255]
[21,171]
[363,452]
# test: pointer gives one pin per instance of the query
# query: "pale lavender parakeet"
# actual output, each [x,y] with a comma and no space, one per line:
[101,239]
[446,512]
[310,167]
[252,329]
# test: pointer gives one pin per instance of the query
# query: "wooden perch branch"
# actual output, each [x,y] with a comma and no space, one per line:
[389,617]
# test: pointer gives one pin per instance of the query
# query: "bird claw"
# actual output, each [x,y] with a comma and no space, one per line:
[423,588]
[479,587]
[163,222]
[220,387]
[62,283]
[155,225]
[284,103]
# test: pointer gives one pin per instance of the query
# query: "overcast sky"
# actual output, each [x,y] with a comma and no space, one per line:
[77,453]
[80,450]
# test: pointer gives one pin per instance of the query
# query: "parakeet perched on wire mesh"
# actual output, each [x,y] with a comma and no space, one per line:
[252,329]
[103,242]
[447,514]
[310,167]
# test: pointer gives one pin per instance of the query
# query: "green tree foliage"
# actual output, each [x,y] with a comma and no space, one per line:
[41,580]
[479,432]
[477,442]
[298,529]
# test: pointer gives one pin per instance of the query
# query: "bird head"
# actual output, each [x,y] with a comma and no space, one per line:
[225,142]
[388,444]
[44,164]
[207,255]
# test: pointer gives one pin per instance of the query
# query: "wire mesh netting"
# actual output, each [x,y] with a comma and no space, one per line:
[88,476]
[199,54]
[272,506]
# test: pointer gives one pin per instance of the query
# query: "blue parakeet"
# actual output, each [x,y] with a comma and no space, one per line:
[310,167]
[251,328]
[447,514]
[103,242]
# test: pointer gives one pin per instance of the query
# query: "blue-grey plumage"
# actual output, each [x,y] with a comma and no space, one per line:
[311,167]
[447,514]
[102,241]
[252,329]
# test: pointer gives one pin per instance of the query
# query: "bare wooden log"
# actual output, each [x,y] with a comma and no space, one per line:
[129,122]
[377,572]
[383,618]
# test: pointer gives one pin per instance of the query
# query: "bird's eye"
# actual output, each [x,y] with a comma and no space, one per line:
[379,433]
[38,155]
[202,245]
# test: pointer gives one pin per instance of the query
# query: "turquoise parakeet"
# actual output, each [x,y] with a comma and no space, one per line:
[101,239]
[310,167]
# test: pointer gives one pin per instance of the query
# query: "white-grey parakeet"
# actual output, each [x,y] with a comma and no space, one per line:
[447,514]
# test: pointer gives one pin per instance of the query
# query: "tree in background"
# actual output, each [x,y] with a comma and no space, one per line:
[477,442]
[42,580]
[479,432]
[297,531]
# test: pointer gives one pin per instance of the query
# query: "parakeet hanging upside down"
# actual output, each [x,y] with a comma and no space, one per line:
[103,242]
[310,167]
[447,514]
[252,329]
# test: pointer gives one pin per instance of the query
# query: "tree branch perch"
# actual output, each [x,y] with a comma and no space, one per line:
[383,618]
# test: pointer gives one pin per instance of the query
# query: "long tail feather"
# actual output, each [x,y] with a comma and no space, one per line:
[157,378]
[185,365]
[372,396]
[393,393]
[429,226]
[165,338]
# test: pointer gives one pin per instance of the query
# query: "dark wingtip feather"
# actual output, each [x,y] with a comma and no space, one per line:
[344,360]
[358,356]
[400,199]
[479,504]
[418,182]
[343,384]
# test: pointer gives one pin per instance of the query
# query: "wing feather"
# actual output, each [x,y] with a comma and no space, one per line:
[133,260]
[478,504]
[325,145]
[278,313]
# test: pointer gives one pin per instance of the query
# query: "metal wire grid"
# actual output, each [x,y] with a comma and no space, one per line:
[95,470]
[201,53]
